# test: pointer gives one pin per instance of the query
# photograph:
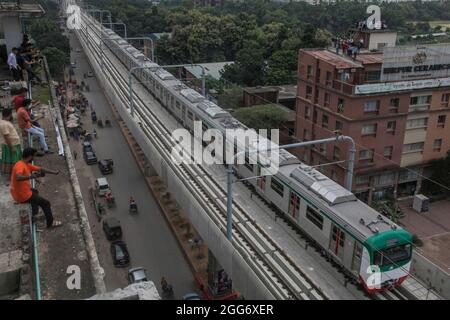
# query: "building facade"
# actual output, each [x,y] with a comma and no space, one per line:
[395,105]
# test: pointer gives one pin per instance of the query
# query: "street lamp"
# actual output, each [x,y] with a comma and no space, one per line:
[192,65]
[130,84]
[351,160]
[145,38]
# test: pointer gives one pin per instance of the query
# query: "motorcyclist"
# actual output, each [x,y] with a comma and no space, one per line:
[108,196]
[132,203]
[165,285]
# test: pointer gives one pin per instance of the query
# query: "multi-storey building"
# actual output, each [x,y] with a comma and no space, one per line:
[395,105]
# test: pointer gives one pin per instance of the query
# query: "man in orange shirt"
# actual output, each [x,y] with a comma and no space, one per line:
[21,191]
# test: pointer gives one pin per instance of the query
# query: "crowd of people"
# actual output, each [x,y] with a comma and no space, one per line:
[25,58]
[348,46]
[16,161]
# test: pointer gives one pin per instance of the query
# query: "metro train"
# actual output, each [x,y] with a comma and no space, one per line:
[368,247]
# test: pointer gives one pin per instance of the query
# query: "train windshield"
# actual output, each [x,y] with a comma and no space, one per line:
[392,255]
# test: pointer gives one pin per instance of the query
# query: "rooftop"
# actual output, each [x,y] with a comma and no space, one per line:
[29,9]
[340,62]
[211,69]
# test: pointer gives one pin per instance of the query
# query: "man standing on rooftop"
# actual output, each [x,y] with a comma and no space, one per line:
[11,149]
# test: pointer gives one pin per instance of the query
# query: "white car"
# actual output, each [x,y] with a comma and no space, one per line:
[78,50]
[90,74]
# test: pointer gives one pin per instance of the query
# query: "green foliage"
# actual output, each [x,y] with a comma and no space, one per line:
[56,60]
[231,98]
[266,116]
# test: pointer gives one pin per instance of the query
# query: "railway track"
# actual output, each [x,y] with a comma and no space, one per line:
[275,269]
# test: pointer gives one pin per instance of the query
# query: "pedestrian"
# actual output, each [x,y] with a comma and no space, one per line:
[15,69]
[24,121]
[75,154]
[22,173]
[11,148]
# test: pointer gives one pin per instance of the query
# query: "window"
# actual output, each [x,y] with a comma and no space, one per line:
[366,155]
[441,120]
[334,236]
[190,115]
[277,186]
[318,75]
[328,79]
[437,145]
[336,153]
[306,135]
[391,125]
[369,129]
[316,95]
[322,149]
[339,126]
[307,112]
[362,180]
[373,75]
[420,100]
[315,217]
[340,105]
[417,123]
[372,106]
[334,175]
[308,92]
[392,256]
[388,152]
[309,71]
[291,132]
[413,147]
[394,104]
[445,100]
[315,116]
[324,121]
[326,99]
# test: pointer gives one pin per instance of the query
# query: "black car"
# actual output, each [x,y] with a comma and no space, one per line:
[112,229]
[119,253]
[90,157]
[106,166]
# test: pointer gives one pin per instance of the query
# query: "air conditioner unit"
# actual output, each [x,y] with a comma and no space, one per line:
[421,203]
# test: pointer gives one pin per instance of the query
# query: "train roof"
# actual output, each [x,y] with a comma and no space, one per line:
[334,200]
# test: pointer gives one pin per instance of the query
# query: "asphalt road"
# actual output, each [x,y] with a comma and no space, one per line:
[150,241]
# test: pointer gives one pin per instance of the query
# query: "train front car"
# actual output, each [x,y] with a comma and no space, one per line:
[386,260]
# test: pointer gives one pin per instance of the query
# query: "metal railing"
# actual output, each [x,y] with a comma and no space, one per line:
[33,227]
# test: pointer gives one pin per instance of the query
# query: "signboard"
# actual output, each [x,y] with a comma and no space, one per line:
[402,85]
[415,62]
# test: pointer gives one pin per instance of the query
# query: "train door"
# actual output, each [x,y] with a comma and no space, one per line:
[294,205]
[261,181]
[337,241]
[183,114]
[357,256]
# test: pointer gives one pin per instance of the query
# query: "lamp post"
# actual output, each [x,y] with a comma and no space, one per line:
[152,52]
[351,160]
[192,65]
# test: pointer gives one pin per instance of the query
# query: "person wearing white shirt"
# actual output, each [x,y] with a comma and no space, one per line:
[13,66]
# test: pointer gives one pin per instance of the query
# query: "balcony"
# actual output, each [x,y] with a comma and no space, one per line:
[344,87]
[419,107]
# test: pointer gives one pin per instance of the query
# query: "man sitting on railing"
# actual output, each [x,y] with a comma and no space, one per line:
[21,191]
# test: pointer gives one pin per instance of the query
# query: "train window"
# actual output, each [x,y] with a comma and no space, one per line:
[277,186]
[315,217]
[338,233]
[392,255]
[190,115]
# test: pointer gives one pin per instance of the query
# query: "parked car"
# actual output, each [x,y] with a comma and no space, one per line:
[87,146]
[90,74]
[90,157]
[112,229]
[102,186]
[137,275]
[119,253]
[106,166]
[78,50]
[192,296]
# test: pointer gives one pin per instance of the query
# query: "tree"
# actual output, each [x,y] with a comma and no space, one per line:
[266,116]
[56,60]
[282,67]
[231,98]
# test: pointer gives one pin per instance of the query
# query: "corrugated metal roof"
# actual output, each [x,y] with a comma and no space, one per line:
[211,69]
[338,61]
